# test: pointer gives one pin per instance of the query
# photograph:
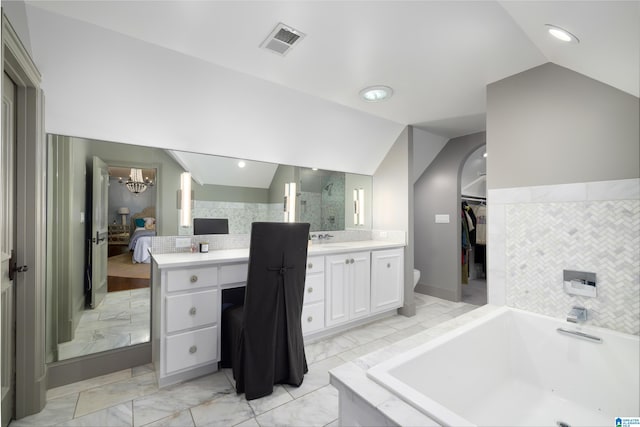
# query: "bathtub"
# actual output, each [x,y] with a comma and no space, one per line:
[513,368]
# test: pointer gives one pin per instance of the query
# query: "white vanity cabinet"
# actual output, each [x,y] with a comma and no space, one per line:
[313,304]
[342,288]
[347,278]
[387,279]
[189,317]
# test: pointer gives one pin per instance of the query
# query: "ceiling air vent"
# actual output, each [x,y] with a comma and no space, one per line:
[282,39]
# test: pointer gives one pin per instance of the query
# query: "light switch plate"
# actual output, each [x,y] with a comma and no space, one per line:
[442,219]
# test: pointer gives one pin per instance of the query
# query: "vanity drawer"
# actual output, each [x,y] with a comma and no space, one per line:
[315,264]
[314,288]
[191,349]
[312,317]
[191,278]
[191,310]
[233,273]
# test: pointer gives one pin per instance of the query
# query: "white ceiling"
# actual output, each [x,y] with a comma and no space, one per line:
[190,74]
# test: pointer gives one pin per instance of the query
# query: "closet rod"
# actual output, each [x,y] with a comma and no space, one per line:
[474,198]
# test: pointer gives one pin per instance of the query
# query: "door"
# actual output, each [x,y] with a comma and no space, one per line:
[7,249]
[360,278]
[337,298]
[99,231]
[387,280]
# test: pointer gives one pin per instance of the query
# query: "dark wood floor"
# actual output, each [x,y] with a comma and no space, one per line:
[115,284]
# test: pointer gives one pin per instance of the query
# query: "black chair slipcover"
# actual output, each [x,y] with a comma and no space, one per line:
[264,336]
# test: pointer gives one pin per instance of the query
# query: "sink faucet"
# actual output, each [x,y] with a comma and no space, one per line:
[325,236]
[577,314]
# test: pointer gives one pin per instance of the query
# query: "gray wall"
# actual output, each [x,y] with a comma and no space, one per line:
[65,241]
[550,125]
[393,204]
[167,181]
[283,175]
[437,191]
[426,147]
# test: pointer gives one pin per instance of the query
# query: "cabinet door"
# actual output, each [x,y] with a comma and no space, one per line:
[360,284]
[337,289]
[387,282]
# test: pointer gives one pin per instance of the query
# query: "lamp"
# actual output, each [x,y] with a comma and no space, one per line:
[290,202]
[124,212]
[135,183]
[185,199]
[358,206]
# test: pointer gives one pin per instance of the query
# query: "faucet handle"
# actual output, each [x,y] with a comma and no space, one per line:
[577,314]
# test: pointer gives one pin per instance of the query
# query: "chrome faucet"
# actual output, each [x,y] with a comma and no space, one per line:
[326,236]
[577,314]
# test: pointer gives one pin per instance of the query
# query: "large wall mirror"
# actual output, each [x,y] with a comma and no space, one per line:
[105,199]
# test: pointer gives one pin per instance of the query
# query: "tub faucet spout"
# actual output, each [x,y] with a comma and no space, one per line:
[577,315]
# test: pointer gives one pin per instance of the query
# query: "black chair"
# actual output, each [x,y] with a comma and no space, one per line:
[210,226]
[264,336]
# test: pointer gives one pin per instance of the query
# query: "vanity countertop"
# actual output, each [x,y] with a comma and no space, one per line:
[182,259]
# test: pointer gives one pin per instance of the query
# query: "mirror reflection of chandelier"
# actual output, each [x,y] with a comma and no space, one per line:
[136,184]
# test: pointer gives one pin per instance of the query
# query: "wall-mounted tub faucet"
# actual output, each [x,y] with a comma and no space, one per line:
[577,315]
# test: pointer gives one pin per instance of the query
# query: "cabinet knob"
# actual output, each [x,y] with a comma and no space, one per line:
[192,311]
[352,261]
[388,265]
[309,319]
[194,279]
[193,349]
[310,290]
[346,261]
[310,265]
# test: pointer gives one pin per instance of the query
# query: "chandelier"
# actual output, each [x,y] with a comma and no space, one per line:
[136,184]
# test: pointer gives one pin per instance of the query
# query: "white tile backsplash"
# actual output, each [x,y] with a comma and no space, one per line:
[535,233]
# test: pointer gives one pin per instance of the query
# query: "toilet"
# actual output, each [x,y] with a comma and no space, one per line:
[416,277]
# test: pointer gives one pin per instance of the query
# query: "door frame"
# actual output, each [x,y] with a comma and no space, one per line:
[31,371]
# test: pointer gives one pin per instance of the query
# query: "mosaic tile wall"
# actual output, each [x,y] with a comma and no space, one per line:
[240,215]
[592,227]
[167,244]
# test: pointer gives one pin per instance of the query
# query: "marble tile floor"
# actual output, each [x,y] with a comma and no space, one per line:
[475,292]
[131,397]
[121,319]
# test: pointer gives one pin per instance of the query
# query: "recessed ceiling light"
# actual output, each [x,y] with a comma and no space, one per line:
[376,93]
[241,164]
[562,34]
[314,169]
[484,155]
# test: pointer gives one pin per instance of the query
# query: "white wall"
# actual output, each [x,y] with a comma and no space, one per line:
[170,100]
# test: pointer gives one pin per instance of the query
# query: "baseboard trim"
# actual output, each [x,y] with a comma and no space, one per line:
[436,292]
[94,365]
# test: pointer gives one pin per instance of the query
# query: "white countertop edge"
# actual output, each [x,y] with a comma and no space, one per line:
[353,375]
[184,259]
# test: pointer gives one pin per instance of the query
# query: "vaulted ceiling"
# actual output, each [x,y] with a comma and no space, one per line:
[190,75]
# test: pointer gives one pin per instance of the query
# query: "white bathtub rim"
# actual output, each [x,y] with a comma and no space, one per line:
[431,408]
